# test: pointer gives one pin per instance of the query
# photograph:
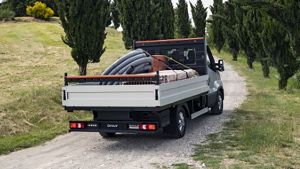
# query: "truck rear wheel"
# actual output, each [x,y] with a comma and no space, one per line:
[107,135]
[217,109]
[178,123]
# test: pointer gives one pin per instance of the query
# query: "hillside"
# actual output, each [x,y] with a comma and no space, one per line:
[33,60]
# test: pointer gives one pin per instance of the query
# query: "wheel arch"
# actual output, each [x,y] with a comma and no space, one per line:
[185,107]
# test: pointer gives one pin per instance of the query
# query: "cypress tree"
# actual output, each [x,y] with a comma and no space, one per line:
[199,14]
[243,28]
[163,18]
[134,20]
[109,19]
[254,24]
[126,18]
[278,49]
[216,25]
[230,29]
[183,21]
[155,18]
[167,19]
[115,14]
[287,13]
[141,20]
[84,25]
[262,39]
[176,31]
[282,34]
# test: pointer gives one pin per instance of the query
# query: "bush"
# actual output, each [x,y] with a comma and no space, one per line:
[6,15]
[39,10]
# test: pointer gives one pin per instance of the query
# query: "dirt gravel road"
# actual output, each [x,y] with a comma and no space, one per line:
[89,150]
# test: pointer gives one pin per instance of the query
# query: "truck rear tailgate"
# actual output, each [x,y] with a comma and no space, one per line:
[150,95]
[110,96]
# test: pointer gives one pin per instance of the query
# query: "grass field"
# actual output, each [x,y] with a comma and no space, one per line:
[264,132]
[33,60]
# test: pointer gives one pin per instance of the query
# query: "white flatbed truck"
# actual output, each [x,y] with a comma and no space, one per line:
[153,106]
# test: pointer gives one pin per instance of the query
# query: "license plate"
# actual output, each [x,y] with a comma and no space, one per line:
[113,126]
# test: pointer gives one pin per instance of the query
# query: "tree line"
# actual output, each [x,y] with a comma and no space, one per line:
[267,31]
[264,30]
[157,19]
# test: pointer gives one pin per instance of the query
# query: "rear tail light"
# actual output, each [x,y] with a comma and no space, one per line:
[77,125]
[149,127]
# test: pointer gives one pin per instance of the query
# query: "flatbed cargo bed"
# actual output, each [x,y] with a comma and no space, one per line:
[80,96]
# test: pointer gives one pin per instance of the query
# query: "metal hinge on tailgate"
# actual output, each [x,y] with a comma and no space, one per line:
[65,95]
[156,94]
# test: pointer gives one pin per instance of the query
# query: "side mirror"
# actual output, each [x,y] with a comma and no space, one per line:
[220,66]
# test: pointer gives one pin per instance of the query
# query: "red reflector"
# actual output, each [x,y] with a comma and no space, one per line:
[77,125]
[151,127]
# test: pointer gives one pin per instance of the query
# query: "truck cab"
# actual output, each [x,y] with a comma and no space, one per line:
[142,103]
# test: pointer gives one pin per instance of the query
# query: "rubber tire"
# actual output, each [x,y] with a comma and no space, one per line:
[107,135]
[173,130]
[216,109]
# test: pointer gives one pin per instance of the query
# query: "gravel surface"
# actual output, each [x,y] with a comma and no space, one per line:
[89,150]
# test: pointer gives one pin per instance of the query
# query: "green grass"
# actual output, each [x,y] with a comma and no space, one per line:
[264,131]
[181,166]
[33,60]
